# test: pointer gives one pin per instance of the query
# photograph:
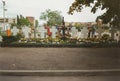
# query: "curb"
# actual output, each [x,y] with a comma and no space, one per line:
[104,72]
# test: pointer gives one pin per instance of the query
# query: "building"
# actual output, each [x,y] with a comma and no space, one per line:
[8,22]
[31,20]
[80,23]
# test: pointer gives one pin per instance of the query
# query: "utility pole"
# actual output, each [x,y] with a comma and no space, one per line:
[4,14]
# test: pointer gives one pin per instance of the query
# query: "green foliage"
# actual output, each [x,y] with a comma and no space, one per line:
[112,9]
[52,17]
[106,37]
[63,45]
[0,30]
[36,23]
[10,39]
[13,24]
[78,25]
[21,21]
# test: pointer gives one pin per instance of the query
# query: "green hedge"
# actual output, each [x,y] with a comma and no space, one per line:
[10,39]
[83,45]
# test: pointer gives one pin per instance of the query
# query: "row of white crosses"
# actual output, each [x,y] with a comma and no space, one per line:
[42,31]
[26,31]
[75,33]
[79,34]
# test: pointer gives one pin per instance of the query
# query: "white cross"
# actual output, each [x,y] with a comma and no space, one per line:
[54,31]
[43,32]
[15,31]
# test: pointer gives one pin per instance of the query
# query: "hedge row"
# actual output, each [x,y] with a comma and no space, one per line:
[10,39]
[84,45]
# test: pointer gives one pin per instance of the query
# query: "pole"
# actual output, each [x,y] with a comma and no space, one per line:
[3,15]
[63,28]
[35,32]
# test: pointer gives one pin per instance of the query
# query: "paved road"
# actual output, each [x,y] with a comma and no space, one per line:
[59,58]
[59,78]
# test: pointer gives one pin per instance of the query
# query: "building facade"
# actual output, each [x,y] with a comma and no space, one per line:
[8,22]
[31,20]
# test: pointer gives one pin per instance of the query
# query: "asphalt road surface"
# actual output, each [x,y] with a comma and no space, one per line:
[59,78]
[59,58]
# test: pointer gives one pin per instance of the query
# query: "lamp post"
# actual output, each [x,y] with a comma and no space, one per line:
[4,14]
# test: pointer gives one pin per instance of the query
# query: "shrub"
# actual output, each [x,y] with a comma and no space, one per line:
[106,37]
[10,39]
[83,45]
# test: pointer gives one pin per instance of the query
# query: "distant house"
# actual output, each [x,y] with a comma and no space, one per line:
[8,22]
[31,20]
[81,23]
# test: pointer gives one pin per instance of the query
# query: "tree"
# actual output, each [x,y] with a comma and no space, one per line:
[52,17]
[112,9]
[36,23]
[78,25]
[21,21]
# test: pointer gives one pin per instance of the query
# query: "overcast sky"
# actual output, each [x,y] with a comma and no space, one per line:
[35,7]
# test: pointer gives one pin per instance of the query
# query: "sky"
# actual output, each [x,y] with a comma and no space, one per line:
[35,7]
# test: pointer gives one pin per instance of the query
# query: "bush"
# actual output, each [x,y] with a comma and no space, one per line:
[106,37]
[83,45]
[10,39]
